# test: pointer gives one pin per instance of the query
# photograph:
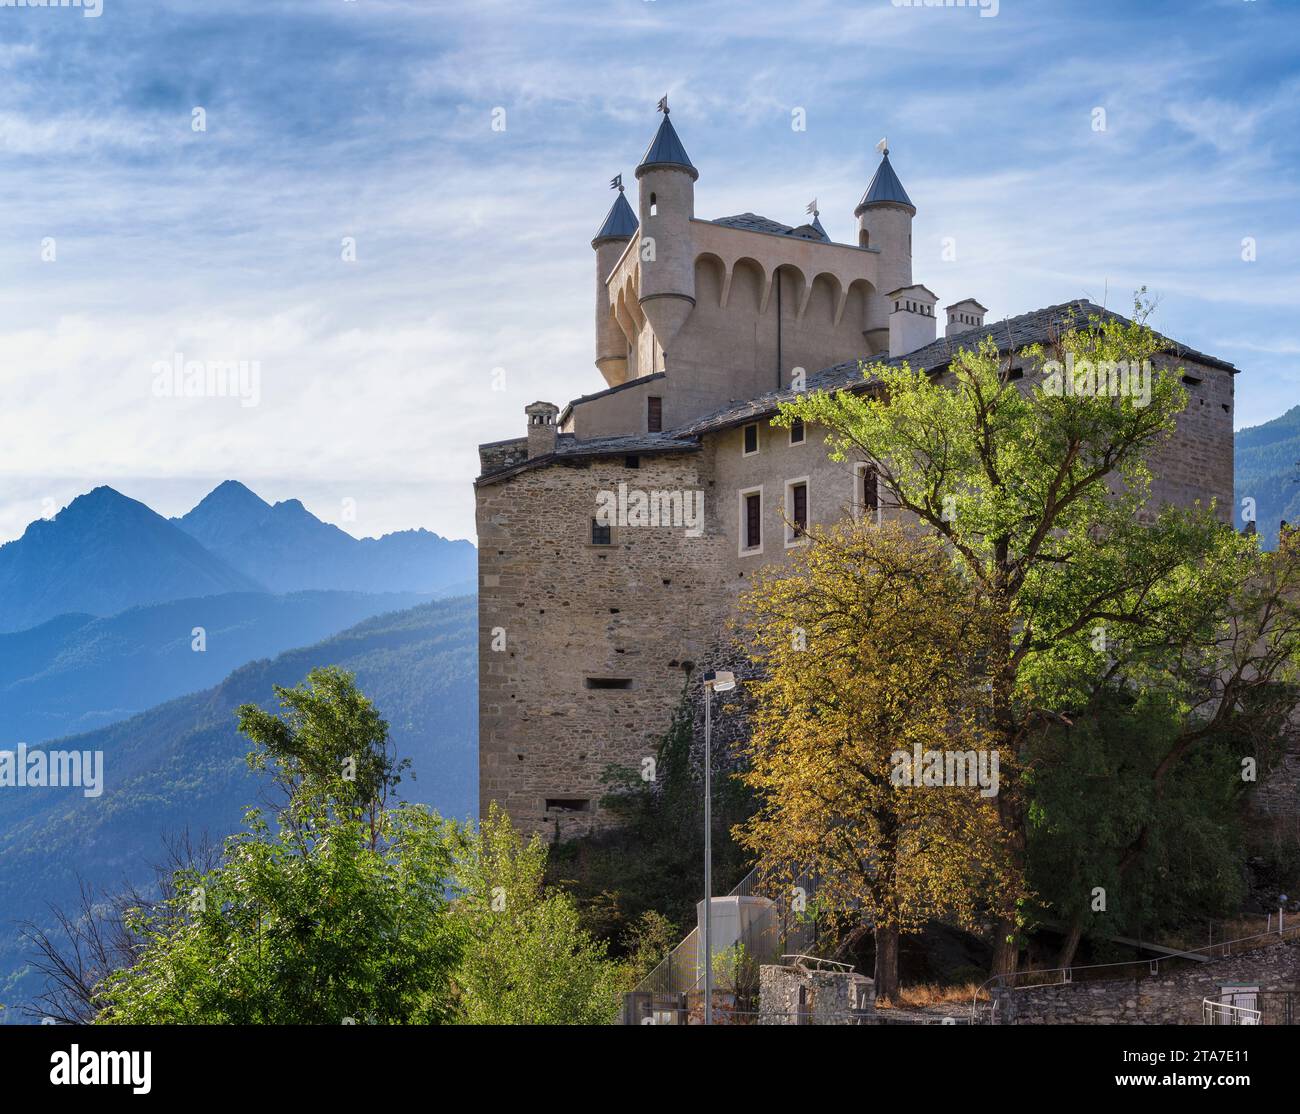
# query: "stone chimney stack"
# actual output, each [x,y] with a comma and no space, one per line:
[542,430]
[964,315]
[912,323]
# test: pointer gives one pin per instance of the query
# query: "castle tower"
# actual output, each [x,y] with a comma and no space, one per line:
[618,228]
[667,204]
[885,221]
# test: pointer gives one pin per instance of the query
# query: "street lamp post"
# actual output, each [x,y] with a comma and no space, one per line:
[719,681]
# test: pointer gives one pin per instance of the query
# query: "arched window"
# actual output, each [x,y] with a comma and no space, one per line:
[654,206]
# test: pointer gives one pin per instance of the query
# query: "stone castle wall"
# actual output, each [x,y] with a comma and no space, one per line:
[640,610]
[1173,998]
[569,613]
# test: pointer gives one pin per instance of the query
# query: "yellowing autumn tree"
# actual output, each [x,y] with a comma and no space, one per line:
[872,648]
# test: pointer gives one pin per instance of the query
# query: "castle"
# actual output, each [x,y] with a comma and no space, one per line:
[591,623]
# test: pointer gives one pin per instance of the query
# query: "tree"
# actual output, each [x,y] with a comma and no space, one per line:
[308,926]
[328,751]
[1042,496]
[872,649]
[526,960]
[343,910]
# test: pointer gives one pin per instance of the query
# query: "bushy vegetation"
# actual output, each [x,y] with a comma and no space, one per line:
[349,906]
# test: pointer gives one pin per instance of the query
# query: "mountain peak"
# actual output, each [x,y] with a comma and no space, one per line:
[227,511]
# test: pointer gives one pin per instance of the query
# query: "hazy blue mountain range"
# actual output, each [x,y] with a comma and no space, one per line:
[288,549]
[1268,471]
[75,673]
[102,554]
[179,766]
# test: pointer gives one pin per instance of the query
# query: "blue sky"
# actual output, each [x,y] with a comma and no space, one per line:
[372,119]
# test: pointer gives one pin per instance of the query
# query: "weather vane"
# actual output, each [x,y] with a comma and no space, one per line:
[616,183]
[662,106]
[812,208]
[883,146]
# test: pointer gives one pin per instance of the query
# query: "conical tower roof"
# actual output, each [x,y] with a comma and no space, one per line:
[885,189]
[666,150]
[620,222]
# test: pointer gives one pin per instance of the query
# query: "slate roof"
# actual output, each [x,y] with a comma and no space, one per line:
[666,150]
[1011,333]
[885,186]
[620,222]
[568,447]
[752,222]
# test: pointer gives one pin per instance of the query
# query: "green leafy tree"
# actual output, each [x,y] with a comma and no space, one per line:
[328,751]
[305,926]
[1043,498]
[526,960]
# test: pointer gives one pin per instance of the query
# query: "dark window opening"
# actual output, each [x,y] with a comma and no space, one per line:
[654,415]
[870,493]
[609,682]
[654,206]
[601,535]
[1191,380]
[796,432]
[1016,373]
[567,804]
[799,509]
[631,462]
[753,521]
[751,439]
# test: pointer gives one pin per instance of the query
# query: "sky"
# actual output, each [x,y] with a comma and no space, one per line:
[181,181]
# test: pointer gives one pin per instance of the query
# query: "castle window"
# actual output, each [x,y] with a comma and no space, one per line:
[796,511]
[751,522]
[1191,380]
[601,535]
[568,804]
[796,432]
[751,439]
[654,206]
[866,504]
[609,682]
[631,462]
[654,414]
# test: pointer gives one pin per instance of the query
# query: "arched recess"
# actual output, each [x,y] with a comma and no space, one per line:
[747,290]
[857,305]
[710,279]
[794,289]
[825,300]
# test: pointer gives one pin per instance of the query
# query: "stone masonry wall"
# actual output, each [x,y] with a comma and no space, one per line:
[655,600]
[1167,999]
[568,612]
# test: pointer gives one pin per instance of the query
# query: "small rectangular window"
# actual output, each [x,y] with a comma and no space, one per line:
[868,494]
[796,432]
[751,439]
[753,521]
[601,535]
[631,462]
[609,682]
[568,804]
[799,509]
[654,416]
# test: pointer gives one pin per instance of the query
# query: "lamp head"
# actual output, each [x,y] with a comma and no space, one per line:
[722,680]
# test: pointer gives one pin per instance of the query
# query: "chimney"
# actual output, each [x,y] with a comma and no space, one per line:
[911,319]
[964,315]
[541,428]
